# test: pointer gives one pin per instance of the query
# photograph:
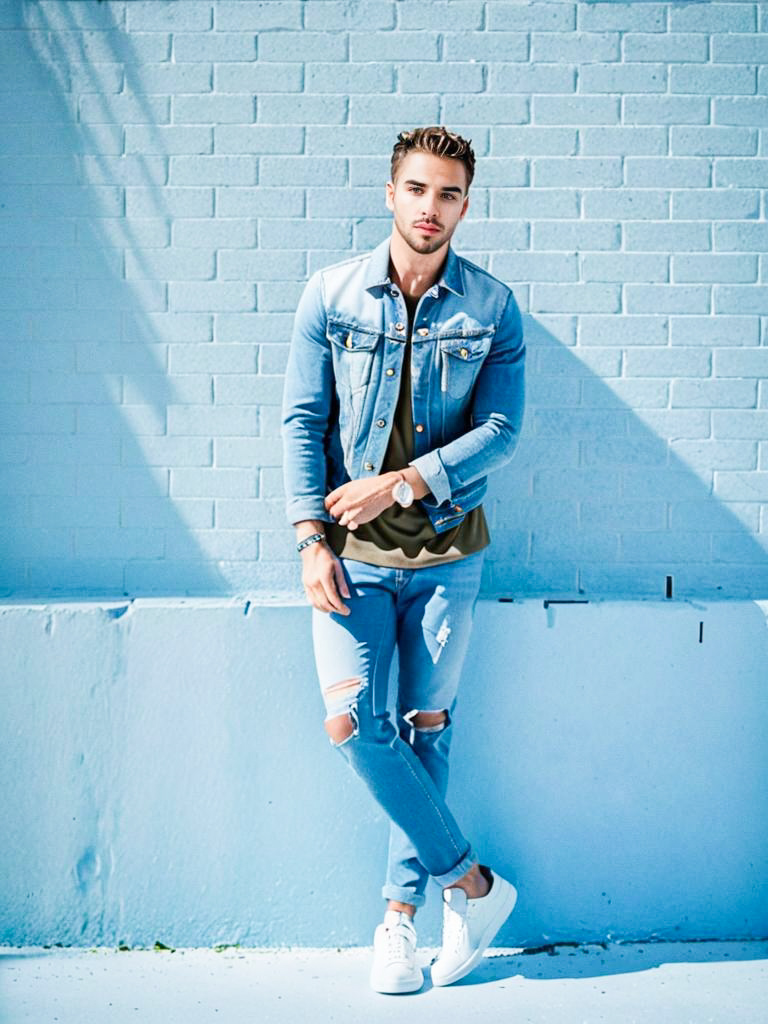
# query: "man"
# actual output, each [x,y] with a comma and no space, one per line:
[404,389]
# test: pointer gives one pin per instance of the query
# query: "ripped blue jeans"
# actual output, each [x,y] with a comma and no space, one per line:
[426,614]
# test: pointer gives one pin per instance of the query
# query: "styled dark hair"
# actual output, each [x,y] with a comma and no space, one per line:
[438,141]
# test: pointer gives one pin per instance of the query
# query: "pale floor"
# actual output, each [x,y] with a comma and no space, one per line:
[636,983]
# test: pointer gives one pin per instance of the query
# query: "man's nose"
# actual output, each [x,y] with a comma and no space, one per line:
[429,206]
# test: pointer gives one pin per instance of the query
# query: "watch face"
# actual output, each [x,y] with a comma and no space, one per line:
[403,494]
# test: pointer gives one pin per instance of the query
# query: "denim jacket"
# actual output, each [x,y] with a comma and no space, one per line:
[343,379]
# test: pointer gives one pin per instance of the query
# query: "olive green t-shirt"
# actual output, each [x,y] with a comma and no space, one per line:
[403,538]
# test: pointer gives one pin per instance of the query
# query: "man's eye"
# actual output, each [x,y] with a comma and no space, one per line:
[448,195]
[414,188]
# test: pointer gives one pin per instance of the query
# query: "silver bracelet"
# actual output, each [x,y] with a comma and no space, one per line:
[313,539]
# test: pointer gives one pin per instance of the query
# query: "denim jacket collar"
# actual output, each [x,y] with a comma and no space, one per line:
[377,274]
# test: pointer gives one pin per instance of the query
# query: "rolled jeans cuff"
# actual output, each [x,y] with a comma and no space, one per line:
[451,877]
[402,895]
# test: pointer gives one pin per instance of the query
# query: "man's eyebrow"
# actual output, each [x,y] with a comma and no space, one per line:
[448,188]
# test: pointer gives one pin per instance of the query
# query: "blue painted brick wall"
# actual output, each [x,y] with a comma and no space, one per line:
[171,173]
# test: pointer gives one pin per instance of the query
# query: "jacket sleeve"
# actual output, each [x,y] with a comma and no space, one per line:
[496,416]
[307,402]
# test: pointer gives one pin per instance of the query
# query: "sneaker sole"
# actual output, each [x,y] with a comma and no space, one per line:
[398,988]
[505,909]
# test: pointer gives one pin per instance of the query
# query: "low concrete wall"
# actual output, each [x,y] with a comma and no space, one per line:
[165,775]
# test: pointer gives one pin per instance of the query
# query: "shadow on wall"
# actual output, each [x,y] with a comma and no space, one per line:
[86,398]
[598,504]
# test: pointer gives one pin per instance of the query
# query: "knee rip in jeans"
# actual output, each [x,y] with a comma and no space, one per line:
[427,721]
[341,698]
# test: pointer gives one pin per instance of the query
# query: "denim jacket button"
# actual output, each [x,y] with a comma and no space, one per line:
[348,342]
[423,331]
[419,428]
[368,467]
[463,353]
[381,423]
[390,372]
[399,327]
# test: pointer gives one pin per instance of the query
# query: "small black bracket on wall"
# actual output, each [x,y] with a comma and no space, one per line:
[547,603]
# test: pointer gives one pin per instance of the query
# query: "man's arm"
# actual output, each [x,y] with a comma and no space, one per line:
[306,411]
[307,398]
[360,501]
[497,415]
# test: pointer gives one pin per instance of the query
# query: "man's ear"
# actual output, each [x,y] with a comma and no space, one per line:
[464,206]
[390,196]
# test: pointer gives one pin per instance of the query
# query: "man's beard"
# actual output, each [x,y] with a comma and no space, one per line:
[423,246]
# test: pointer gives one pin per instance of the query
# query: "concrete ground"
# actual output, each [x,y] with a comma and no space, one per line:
[635,983]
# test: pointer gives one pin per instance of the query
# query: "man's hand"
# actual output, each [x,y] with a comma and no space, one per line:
[323,579]
[360,501]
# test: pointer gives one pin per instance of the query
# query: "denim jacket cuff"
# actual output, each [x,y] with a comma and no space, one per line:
[432,472]
[300,509]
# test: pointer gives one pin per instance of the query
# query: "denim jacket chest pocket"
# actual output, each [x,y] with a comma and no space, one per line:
[462,354]
[353,350]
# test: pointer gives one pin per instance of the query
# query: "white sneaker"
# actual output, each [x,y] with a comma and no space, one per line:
[469,927]
[394,968]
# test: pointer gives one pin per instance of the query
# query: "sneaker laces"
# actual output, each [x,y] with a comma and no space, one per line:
[400,942]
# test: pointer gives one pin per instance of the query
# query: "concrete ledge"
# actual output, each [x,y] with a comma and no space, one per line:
[165,776]
[662,983]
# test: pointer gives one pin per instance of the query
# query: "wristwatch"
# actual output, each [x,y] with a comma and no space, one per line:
[402,493]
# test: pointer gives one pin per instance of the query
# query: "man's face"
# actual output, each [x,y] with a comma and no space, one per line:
[428,199]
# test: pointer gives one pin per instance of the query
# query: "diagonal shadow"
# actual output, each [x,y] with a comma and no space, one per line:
[598,504]
[85,443]
[601,960]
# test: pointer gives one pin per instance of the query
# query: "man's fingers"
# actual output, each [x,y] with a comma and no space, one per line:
[317,600]
[316,595]
[353,517]
[323,594]
[332,595]
[341,580]
[347,516]
[333,497]
[337,510]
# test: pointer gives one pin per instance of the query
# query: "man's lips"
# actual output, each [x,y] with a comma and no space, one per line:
[431,229]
